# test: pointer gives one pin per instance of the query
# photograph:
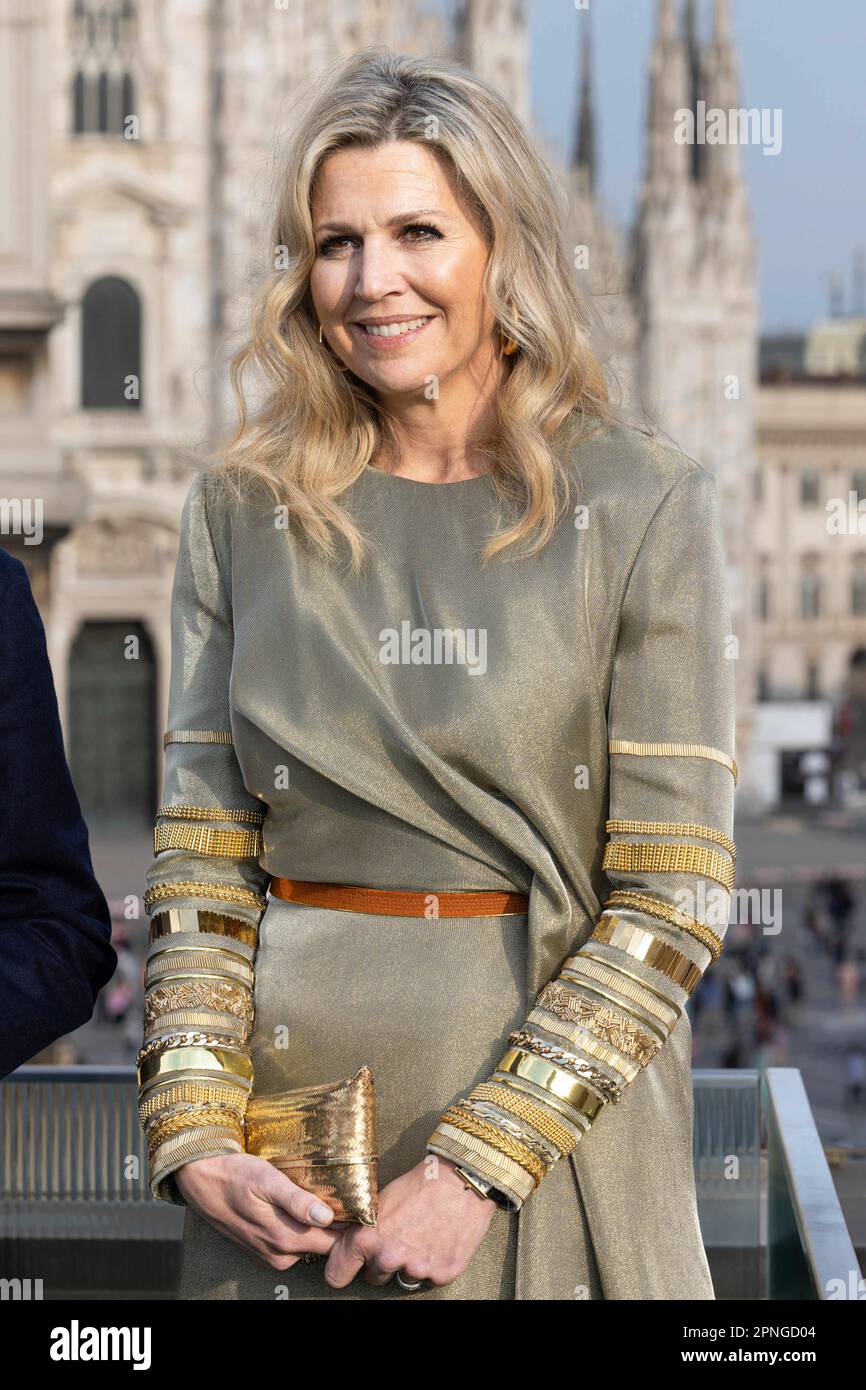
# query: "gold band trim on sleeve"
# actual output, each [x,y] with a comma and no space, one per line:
[165,1126]
[497,1139]
[649,857]
[662,1020]
[194,919]
[499,1170]
[219,813]
[193,1144]
[204,839]
[548,1077]
[656,907]
[200,965]
[197,736]
[673,750]
[672,827]
[193,1093]
[200,1059]
[518,1103]
[564,1057]
[205,1038]
[646,947]
[224,996]
[482,1110]
[197,1021]
[217,892]
[584,1042]
[615,1028]
[240,1085]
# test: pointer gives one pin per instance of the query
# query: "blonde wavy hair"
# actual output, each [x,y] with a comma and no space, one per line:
[316,427]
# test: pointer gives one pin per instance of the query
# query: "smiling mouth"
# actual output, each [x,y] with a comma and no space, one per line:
[393,330]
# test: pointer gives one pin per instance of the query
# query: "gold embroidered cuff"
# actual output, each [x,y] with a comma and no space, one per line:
[595,973]
[612,1026]
[584,1042]
[195,1094]
[650,857]
[657,907]
[194,919]
[217,892]
[204,839]
[497,1139]
[549,1077]
[519,1104]
[646,947]
[217,813]
[223,996]
[211,1141]
[502,1172]
[672,827]
[165,1127]
[484,1110]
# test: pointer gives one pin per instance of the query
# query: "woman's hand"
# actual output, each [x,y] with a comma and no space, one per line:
[254,1204]
[429,1227]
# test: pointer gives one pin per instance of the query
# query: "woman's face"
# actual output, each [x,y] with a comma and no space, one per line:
[395,245]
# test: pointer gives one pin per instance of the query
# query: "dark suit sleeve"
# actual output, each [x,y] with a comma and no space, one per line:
[55,928]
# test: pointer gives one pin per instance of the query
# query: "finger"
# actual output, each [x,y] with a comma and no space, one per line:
[292,1201]
[344,1262]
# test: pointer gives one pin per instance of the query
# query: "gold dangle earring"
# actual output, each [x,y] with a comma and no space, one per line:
[508,345]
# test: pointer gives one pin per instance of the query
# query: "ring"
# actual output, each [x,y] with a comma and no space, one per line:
[410,1288]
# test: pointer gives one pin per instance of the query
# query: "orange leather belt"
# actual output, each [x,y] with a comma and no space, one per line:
[398,902]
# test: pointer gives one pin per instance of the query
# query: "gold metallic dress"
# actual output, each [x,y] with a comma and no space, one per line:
[572,739]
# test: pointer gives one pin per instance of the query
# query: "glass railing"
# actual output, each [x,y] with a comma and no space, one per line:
[77,1212]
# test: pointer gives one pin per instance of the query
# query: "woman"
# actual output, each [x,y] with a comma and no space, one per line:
[517,690]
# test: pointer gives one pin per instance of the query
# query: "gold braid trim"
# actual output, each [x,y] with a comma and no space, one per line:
[518,1104]
[497,1138]
[548,1153]
[197,736]
[672,827]
[203,839]
[189,1145]
[582,1041]
[195,1020]
[184,812]
[656,907]
[673,750]
[164,1128]
[218,892]
[646,856]
[162,1044]
[600,1019]
[585,970]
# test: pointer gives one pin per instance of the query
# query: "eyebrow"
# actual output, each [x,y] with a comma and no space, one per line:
[392,222]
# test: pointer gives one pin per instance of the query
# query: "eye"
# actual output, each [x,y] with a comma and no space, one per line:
[426,229]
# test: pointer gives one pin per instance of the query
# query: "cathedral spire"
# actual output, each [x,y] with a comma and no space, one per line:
[668,163]
[722,20]
[693,59]
[585,150]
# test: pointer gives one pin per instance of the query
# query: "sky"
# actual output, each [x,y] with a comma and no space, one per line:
[806,58]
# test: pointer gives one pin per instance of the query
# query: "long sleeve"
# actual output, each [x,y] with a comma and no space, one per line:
[205,889]
[669,859]
[55,926]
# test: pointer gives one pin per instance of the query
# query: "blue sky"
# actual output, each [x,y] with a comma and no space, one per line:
[809,59]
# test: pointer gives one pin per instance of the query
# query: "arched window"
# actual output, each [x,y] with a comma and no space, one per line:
[810,487]
[111,346]
[104,35]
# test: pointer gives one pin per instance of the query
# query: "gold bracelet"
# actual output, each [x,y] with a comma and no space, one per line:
[167,1125]
[562,1057]
[184,1148]
[205,1039]
[206,1059]
[497,1138]
[225,996]
[672,827]
[673,750]
[197,1020]
[192,1093]
[651,950]
[651,857]
[502,1172]
[216,892]
[610,1025]
[548,1077]
[587,969]
[241,1086]
[541,1147]
[204,839]
[195,919]
[518,1103]
[579,1038]
[656,907]
[210,965]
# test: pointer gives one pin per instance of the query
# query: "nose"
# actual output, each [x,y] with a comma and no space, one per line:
[379,271]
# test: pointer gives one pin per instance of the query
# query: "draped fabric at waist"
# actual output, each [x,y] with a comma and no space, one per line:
[370,854]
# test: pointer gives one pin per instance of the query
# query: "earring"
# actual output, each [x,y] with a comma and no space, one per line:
[340,365]
[508,345]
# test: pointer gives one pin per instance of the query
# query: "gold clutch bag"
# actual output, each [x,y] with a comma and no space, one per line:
[324,1139]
